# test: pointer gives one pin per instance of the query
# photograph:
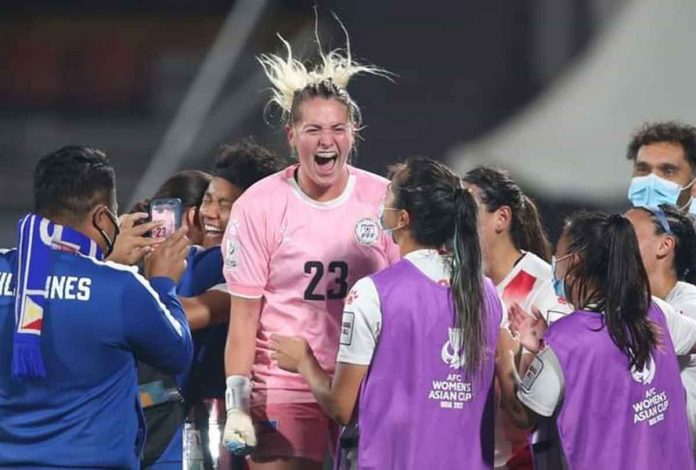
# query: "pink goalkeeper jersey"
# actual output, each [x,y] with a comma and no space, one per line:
[302,257]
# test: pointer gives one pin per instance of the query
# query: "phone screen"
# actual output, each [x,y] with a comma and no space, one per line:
[167,211]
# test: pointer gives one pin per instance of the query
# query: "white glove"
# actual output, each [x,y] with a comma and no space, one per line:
[239,436]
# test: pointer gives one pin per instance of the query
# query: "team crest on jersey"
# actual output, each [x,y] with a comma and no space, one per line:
[451,350]
[352,295]
[366,231]
[646,375]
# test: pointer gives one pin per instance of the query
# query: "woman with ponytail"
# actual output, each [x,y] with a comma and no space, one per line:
[415,366]
[516,252]
[667,242]
[515,248]
[607,372]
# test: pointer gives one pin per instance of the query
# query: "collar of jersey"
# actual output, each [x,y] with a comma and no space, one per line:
[516,268]
[681,293]
[347,191]
[422,253]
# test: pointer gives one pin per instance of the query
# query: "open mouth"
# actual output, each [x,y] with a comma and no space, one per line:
[325,158]
[212,230]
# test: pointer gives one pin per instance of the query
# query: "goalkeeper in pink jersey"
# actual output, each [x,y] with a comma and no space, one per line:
[295,244]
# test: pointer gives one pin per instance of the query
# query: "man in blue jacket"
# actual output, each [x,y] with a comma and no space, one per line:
[72,325]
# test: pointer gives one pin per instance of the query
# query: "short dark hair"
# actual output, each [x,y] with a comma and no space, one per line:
[246,162]
[668,131]
[71,181]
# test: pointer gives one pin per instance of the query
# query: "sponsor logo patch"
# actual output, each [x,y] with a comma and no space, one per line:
[347,328]
[532,373]
[231,253]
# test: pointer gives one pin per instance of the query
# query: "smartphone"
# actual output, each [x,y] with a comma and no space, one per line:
[167,211]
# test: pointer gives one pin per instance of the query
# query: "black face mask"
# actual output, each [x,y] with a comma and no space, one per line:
[109,242]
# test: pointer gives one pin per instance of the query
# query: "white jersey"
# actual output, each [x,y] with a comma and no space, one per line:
[542,385]
[529,284]
[683,298]
[362,319]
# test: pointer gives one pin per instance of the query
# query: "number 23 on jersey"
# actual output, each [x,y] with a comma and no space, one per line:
[337,282]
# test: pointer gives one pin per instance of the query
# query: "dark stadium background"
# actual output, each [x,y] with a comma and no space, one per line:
[112,74]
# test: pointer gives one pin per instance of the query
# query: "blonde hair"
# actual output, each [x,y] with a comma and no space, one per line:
[290,79]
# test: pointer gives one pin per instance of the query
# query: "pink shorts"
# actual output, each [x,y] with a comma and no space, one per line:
[299,430]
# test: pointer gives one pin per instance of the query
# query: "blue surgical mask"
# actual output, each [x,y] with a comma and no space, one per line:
[651,191]
[558,284]
[559,287]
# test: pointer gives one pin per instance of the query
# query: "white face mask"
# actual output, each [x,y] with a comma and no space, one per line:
[385,229]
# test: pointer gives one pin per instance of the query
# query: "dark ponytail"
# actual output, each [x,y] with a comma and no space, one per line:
[528,233]
[466,282]
[609,276]
[498,189]
[443,215]
[681,227]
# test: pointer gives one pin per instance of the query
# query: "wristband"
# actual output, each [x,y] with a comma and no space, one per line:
[237,393]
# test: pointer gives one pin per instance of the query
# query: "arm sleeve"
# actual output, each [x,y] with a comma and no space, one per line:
[360,327]
[681,328]
[245,252]
[541,388]
[222,287]
[155,325]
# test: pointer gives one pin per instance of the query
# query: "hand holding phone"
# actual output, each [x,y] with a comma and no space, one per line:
[169,258]
[168,213]
[134,241]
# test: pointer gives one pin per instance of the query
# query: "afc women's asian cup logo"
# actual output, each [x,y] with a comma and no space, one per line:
[366,231]
[646,375]
[451,351]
